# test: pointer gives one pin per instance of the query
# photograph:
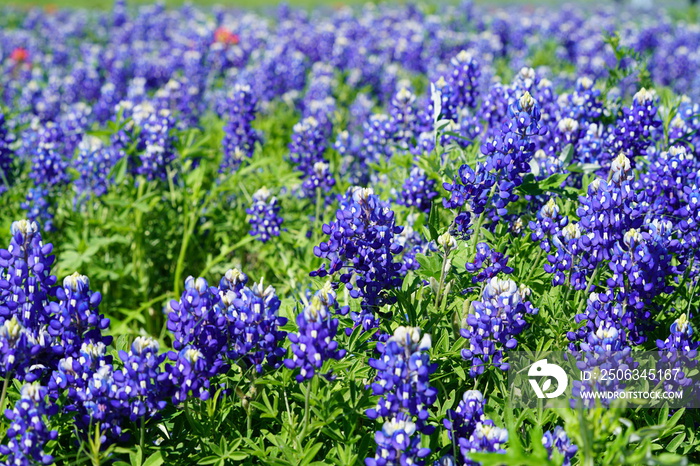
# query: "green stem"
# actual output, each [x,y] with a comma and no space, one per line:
[187,233]
[4,391]
[249,421]
[534,264]
[317,217]
[477,233]
[307,398]
[247,239]
[441,284]
[142,438]
[138,220]
[479,223]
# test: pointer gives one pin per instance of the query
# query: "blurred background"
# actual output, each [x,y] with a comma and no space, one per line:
[262,4]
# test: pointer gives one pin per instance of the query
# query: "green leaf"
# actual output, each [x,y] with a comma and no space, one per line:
[675,443]
[156,459]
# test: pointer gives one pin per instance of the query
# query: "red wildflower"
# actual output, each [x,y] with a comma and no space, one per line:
[225,36]
[20,55]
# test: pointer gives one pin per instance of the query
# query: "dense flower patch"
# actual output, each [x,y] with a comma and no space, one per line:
[414,193]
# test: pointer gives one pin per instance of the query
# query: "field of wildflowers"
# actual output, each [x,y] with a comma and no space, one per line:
[315,237]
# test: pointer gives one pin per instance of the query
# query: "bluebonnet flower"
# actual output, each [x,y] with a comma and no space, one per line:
[265,221]
[680,339]
[548,223]
[306,153]
[377,139]
[398,443]
[38,206]
[314,343]
[48,161]
[403,381]
[470,430]
[76,319]
[446,94]
[566,131]
[494,322]
[142,384]
[199,327]
[362,248]
[679,351]
[464,79]
[589,148]
[567,245]
[189,374]
[607,212]
[633,132]
[94,163]
[487,264]
[512,148]
[664,182]
[213,327]
[73,124]
[26,284]
[471,192]
[29,431]
[404,117]
[234,281]
[73,372]
[417,191]
[91,389]
[20,349]
[159,150]
[318,101]
[403,377]
[584,104]
[255,327]
[6,156]
[558,440]
[605,348]
[239,136]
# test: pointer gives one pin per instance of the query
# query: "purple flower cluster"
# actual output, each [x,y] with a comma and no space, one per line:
[469,194]
[6,156]
[159,152]
[471,431]
[607,348]
[403,381]
[314,343]
[679,351]
[26,285]
[306,153]
[28,431]
[461,85]
[214,326]
[417,191]
[49,158]
[632,134]
[363,248]
[398,443]
[487,264]
[94,163]
[239,136]
[512,148]
[558,440]
[76,318]
[265,221]
[493,323]
[142,382]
